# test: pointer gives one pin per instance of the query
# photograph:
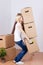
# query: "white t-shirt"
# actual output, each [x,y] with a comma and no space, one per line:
[18,35]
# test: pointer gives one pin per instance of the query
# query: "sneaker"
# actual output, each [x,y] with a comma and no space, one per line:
[20,62]
[14,61]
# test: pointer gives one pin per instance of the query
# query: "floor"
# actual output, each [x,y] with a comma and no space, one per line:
[36,59]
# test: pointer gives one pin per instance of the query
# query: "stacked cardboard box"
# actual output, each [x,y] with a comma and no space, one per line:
[27,15]
[30,29]
[11,53]
[32,46]
[7,42]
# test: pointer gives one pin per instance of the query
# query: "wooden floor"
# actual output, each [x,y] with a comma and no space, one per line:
[37,59]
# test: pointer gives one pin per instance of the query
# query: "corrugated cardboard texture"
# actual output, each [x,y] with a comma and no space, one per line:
[30,30]
[27,15]
[32,46]
[6,41]
[11,53]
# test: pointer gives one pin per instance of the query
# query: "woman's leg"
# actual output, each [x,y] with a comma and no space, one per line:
[23,52]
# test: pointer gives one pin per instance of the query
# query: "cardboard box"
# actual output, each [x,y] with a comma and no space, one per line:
[32,46]
[6,41]
[30,30]
[27,15]
[11,53]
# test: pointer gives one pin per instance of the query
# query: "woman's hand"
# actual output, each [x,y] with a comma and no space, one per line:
[26,41]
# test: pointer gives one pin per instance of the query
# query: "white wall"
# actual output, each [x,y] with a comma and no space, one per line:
[5,16]
[37,6]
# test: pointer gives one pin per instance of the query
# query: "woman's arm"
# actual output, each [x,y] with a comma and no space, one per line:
[23,33]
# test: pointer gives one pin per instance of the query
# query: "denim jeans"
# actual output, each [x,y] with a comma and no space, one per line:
[23,52]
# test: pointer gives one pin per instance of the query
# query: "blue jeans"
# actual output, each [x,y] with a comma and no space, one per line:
[23,52]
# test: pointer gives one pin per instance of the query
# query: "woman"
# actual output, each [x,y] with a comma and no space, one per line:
[19,31]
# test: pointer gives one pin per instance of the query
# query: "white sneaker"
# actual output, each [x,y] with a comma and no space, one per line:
[20,62]
[14,61]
